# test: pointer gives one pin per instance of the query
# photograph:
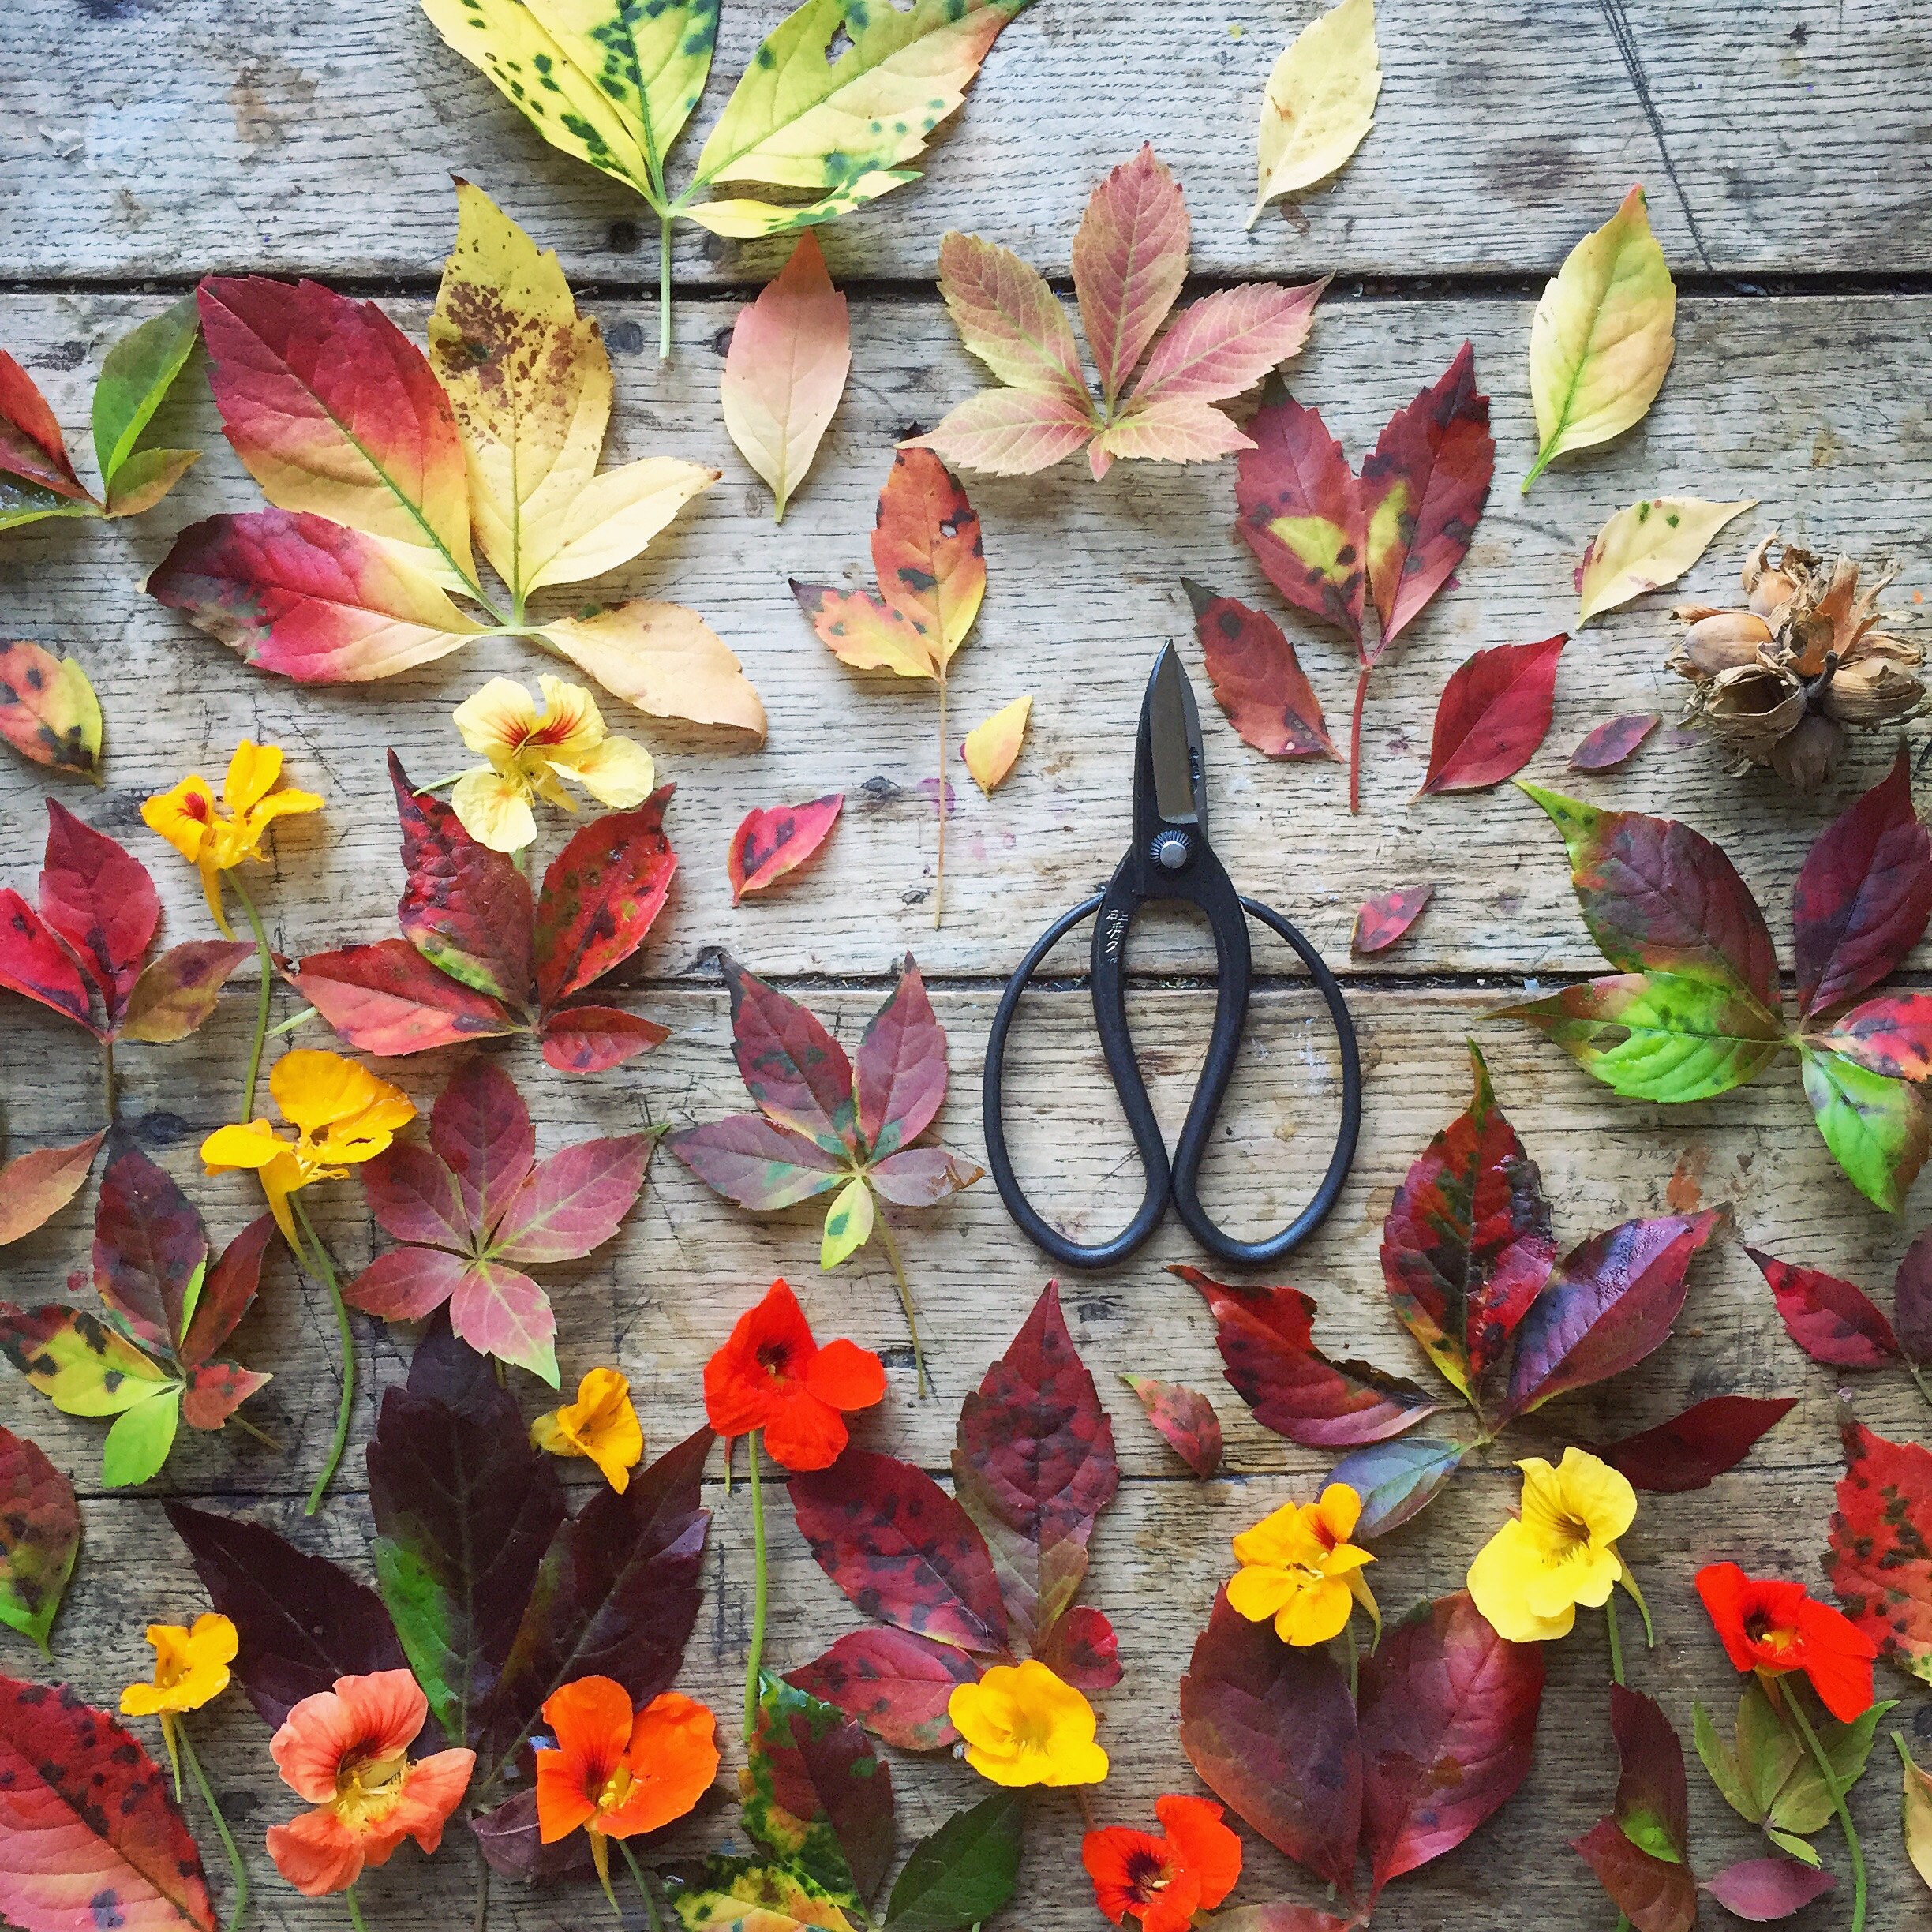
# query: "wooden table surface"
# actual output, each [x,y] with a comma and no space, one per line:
[143,142]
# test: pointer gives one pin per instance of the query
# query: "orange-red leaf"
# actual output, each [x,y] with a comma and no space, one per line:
[770,844]
[1258,680]
[1184,1417]
[31,446]
[48,711]
[1301,514]
[35,1187]
[1381,921]
[1880,1562]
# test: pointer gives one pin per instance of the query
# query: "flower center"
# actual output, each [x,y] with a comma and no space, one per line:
[195,807]
[616,1788]
[1569,1536]
[1760,1630]
[368,1789]
[775,1359]
[1146,1875]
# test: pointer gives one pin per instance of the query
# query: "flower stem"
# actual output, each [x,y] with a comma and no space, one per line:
[169,1737]
[355,1911]
[1838,1805]
[1616,1642]
[889,1242]
[643,1886]
[479,1919]
[292,1021]
[1355,724]
[266,960]
[756,1655]
[326,1268]
[240,1870]
[1348,1633]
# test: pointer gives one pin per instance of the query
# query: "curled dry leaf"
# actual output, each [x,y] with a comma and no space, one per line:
[48,711]
[1614,742]
[1494,711]
[992,746]
[1381,921]
[1646,546]
[1319,103]
[1184,1417]
[770,844]
[1257,679]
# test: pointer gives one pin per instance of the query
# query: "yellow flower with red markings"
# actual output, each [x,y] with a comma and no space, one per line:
[1299,1567]
[601,1424]
[190,1667]
[1024,1725]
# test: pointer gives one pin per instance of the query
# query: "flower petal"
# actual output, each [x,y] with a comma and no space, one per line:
[495,720]
[493,809]
[618,772]
[316,1853]
[846,1376]
[804,1433]
[254,1145]
[672,1757]
[251,775]
[433,1789]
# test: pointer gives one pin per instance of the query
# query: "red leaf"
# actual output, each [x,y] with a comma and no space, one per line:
[32,446]
[768,844]
[573,1201]
[1302,513]
[1185,1418]
[215,1390]
[1383,920]
[1863,895]
[1422,493]
[1832,1321]
[901,1549]
[233,1278]
[757,1163]
[1655,1895]
[600,896]
[899,1077]
[387,999]
[178,989]
[1266,1340]
[1467,1244]
[407,1284]
[35,964]
[1765,1890]
[1258,680]
[1612,1301]
[35,1187]
[480,1130]
[1270,1731]
[99,898]
[1880,1562]
[1082,1650]
[1494,711]
[467,910]
[1033,1465]
[1891,1035]
[1690,1450]
[593,1040]
[148,1243]
[896,1684]
[1613,742]
[40,1538]
[88,1835]
[413,1197]
[795,1071]
[1448,1716]
[1911,1299]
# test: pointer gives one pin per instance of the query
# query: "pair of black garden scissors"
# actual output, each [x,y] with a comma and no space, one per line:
[1170,858]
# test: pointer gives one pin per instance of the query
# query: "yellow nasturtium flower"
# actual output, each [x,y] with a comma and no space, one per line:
[343,1115]
[531,750]
[216,836]
[1530,1577]
[190,1669]
[601,1424]
[1023,1725]
[1299,1567]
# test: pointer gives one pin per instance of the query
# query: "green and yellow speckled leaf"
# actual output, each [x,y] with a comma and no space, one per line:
[1878,1128]
[747,1895]
[79,1363]
[649,57]
[743,220]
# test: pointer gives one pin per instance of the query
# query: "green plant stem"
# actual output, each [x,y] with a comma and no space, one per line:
[891,1243]
[108,1091]
[169,1738]
[265,960]
[326,1268]
[1838,1805]
[1616,1642]
[664,285]
[292,1021]
[643,1886]
[758,1588]
[1348,1633]
[355,1911]
[240,1870]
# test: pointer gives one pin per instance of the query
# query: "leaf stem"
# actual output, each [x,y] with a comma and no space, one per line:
[355,1911]
[889,1242]
[292,1021]
[1838,1804]
[108,1090]
[755,1656]
[326,1268]
[939,860]
[240,1904]
[266,961]
[1355,725]
[665,221]
[1616,1642]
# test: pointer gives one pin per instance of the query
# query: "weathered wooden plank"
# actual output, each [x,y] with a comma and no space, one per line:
[1809,405]
[138,139]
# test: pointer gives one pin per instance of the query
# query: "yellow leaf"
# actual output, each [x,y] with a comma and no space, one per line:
[991,748]
[619,514]
[847,1223]
[1320,102]
[1918,1814]
[664,659]
[1602,337]
[1651,544]
[862,630]
[742,219]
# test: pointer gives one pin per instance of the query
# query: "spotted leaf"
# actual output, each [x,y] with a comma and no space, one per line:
[897,1684]
[1257,679]
[1880,1561]
[1301,514]
[1831,1320]
[1185,1419]
[48,711]
[768,844]
[40,1538]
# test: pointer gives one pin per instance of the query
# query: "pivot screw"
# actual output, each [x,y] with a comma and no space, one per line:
[1172,851]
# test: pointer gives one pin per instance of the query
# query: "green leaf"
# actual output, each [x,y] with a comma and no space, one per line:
[138,371]
[847,1223]
[747,1894]
[1796,1847]
[1876,1128]
[964,1873]
[1649,1832]
[79,1363]
[1803,1805]
[191,1298]
[1721,1761]
[146,478]
[1767,1753]
[139,1442]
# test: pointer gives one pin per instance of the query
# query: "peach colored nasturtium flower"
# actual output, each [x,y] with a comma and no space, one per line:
[531,750]
[1024,1725]
[214,836]
[346,1751]
[343,1115]
[601,1424]
[190,1667]
[1529,1578]
[1299,1567]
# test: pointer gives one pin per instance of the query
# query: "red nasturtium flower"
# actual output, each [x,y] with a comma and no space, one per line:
[1162,1878]
[616,1772]
[1768,1625]
[346,1751]
[771,1375]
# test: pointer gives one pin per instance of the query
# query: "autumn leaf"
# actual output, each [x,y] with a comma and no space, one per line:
[768,844]
[1257,679]
[1185,1419]
[33,456]
[1832,1321]
[1614,742]
[1397,1480]
[1381,921]
[790,353]
[39,1538]
[897,1684]
[1602,337]
[1640,1853]
[34,1187]
[1881,1532]
[1763,1890]
[1494,711]
[991,747]
[1916,1811]
[728,1894]
[1692,1450]
[48,711]
[1651,544]
[1319,103]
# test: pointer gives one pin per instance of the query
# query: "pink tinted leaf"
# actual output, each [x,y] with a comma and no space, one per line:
[795,1071]
[899,1073]
[387,999]
[1832,1321]
[1258,680]
[573,1201]
[31,446]
[1763,1890]
[1185,1417]
[1494,711]
[1691,1449]
[216,1390]
[178,989]
[148,1241]
[99,898]
[1130,257]
[1168,428]
[1301,514]
[922,1177]
[1009,432]
[1614,742]
[480,1130]
[407,1283]
[38,965]
[1083,1650]
[229,1290]
[755,1163]
[896,1684]
[499,1311]
[1381,921]
[768,844]
[414,1198]
[593,1040]
[1891,1035]
[1011,320]
[1225,342]
[34,1187]
[601,895]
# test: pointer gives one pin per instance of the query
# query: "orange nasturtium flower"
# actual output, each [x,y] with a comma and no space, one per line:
[1162,1878]
[346,1751]
[771,1375]
[1773,1627]
[616,1772]
[1299,1567]
[215,837]
[190,1669]
[343,1115]
[1024,1725]
[601,1424]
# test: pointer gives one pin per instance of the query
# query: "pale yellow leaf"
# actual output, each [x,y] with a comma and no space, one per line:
[742,219]
[617,516]
[991,748]
[1320,102]
[1647,545]
[664,659]
[847,1223]
[1918,1814]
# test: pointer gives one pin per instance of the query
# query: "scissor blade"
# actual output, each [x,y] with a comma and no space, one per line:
[1174,727]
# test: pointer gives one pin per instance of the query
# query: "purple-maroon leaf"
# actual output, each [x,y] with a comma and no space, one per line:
[1863,895]
[414,1198]
[1653,1799]
[1613,1301]
[148,1243]
[896,1684]
[573,1201]
[1082,1648]
[178,989]
[1494,711]
[1690,1450]
[919,1176]
[593,1040]
[1614,742]
[1397,1480]
[1270,1731]
[481,1130]
[387,999]
[1266,1340]
[1257,679]
[1911,1302]
[1381,921]
[1763,1890]
[755,1163]
[795,1071]
[35,1186]
[511,1839]
[406,1284]
[901,1549]
[1448,1716]
[599,897]
[1891,1035]
[899,1072]
[38,966]
[99,898]
[1654,1893]
[1185,1418]
[215,1390]
[1832,1321]
[228,1290]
